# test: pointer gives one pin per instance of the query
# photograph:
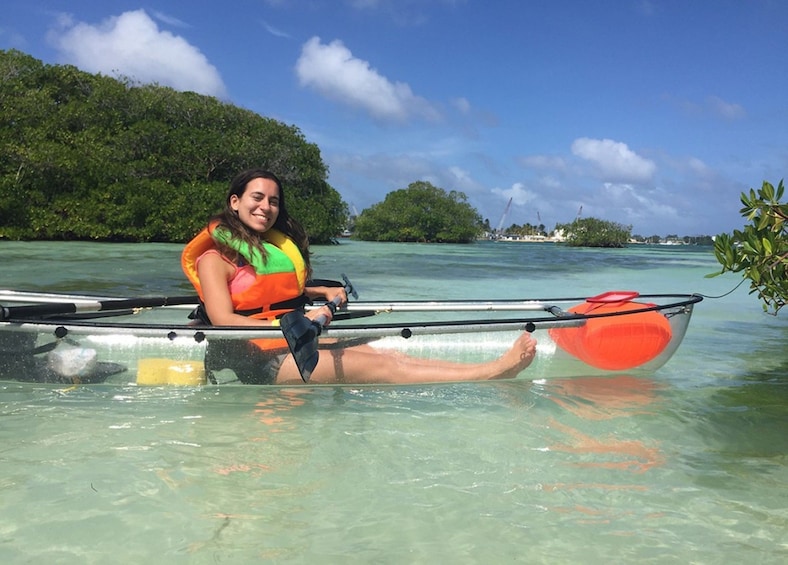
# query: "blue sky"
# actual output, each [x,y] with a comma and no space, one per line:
[651,113]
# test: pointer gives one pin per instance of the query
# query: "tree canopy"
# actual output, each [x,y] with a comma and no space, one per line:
[420,213]
[86,156]
[760,250]
[593,232]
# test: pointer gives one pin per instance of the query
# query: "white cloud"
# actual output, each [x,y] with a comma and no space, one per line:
[543,162]
[132,45]
[614,160]
[461,176]
[519,194]
[550,182]
[276,32]
[697,166]
[713,106]
[725,109]
[383,172]
[169,20]
[646,8]
[462,105]
[462,180]
[619,199]
[12,39]
[333,71]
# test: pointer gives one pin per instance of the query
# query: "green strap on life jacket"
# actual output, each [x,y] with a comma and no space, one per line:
[282,254]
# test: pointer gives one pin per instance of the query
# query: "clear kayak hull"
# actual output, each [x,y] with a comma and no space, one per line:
[613,332]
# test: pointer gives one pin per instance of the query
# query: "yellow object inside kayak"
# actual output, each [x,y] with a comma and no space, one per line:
[159,372]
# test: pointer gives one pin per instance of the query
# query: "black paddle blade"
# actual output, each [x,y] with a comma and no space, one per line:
[301,335]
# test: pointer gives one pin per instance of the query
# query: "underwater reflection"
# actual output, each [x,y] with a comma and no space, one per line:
[605,398]
[270,411]
[270,417]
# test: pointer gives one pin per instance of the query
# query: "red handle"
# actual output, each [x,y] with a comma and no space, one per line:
[613,296]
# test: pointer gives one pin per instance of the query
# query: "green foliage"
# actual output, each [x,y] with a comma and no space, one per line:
[526,230]
[422,213]
[593,232]
[760,250]
[86,156]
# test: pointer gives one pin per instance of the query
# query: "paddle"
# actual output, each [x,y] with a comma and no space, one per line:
[301,334]
[10,313]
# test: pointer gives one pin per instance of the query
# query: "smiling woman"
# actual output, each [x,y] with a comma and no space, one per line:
[251,263]
[251,266]
[258,206]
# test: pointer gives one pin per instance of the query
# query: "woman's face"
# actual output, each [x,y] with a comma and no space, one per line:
[258,206]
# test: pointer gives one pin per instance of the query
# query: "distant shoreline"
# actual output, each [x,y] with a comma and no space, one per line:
[545,239]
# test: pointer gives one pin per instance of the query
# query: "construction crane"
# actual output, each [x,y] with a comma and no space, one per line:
[503,217]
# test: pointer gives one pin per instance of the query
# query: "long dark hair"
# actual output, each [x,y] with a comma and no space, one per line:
[228,219]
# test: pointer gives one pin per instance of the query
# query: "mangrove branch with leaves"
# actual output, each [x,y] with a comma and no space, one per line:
[760,250]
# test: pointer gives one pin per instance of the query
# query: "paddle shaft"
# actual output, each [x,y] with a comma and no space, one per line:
[86,304]
[52,309]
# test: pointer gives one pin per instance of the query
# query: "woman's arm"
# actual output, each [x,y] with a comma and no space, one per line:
[327,293]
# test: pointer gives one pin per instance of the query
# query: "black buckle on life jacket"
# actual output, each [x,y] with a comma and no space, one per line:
[290,304]
[200,315]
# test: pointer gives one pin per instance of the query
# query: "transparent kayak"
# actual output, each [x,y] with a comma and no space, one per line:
[68,338]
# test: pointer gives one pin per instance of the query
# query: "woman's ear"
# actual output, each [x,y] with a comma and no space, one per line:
[234,202]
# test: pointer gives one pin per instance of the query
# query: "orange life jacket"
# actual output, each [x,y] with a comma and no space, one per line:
[279,280]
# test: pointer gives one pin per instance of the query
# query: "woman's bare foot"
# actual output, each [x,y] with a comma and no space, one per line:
[518,357]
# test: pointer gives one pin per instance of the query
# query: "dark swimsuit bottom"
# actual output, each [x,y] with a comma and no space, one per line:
[251,365]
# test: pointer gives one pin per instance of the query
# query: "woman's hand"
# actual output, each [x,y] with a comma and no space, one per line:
[324,312]
[329,293]
[332,292]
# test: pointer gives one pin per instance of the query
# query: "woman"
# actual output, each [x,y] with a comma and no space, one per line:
[250,266]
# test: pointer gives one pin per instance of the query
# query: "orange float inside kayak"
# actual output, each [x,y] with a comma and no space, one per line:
[615,342]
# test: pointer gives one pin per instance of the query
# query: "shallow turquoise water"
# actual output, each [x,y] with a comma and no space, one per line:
[688,465]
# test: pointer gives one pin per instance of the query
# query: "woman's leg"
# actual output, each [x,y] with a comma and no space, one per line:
[364,364]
